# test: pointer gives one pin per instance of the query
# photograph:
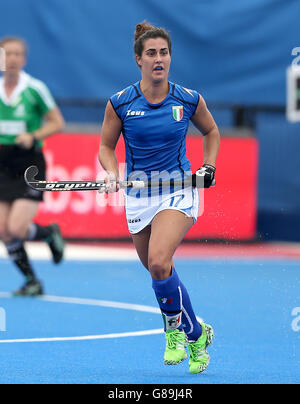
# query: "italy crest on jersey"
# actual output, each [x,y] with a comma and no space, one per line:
[177,112]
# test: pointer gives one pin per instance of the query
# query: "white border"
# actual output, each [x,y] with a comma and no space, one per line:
[77,252]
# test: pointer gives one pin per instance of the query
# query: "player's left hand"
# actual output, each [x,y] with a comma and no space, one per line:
[25,140]
[205,174]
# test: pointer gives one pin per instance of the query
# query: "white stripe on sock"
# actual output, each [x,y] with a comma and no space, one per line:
[189,320]
[31,232]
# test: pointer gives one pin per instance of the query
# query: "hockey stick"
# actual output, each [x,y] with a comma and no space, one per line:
[32,171]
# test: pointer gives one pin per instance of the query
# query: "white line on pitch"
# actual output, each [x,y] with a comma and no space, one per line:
[86,338]
[102,303]
[91,302]
[40,251]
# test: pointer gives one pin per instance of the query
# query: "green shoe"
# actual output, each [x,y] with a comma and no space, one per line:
[175,347]
[198,355]
[56,243]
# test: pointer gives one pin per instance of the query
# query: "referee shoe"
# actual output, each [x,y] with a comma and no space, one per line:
[56,243]
[32,287]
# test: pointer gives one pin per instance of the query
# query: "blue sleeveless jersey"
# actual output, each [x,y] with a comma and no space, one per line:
[155,134]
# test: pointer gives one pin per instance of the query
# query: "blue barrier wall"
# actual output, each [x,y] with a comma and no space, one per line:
[279,178]
[230,51]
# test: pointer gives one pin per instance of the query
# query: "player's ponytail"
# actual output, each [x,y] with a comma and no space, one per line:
[144,31]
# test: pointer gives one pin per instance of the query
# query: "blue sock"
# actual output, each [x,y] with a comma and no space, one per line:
[191,326]
[169,297]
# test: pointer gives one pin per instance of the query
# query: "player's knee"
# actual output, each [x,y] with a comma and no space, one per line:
[159,266]
[17,230]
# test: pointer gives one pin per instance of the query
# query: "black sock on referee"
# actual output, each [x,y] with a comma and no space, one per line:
[18,255]
[37,232]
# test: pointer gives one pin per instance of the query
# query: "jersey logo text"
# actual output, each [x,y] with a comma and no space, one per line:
[135,113]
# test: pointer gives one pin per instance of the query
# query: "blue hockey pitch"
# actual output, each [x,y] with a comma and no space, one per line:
[99,323]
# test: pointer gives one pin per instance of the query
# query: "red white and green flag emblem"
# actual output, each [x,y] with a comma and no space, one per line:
[177,112]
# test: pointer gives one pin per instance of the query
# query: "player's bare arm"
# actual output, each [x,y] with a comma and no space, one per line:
[110,133]
[204,122]
[54,122]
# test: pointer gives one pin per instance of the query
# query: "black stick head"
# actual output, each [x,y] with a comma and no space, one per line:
[30,174]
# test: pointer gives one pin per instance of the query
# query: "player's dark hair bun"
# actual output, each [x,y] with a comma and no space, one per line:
[141,28]
[145,30]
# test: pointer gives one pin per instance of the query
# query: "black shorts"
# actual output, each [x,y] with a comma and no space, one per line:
[13,162]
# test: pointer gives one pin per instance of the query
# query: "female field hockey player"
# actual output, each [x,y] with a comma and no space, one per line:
[153,116]
[24,103]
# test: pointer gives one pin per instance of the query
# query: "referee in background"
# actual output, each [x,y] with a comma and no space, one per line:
[28,114]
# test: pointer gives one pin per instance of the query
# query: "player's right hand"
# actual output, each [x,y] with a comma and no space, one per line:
[25,140]
[111,184]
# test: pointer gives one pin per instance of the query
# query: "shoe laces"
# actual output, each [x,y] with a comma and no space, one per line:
[197,350]
[175,339]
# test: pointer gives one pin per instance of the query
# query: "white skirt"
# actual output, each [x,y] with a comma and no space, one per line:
[141,211]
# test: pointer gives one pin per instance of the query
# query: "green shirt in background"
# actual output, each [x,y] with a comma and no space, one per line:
[24,110]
